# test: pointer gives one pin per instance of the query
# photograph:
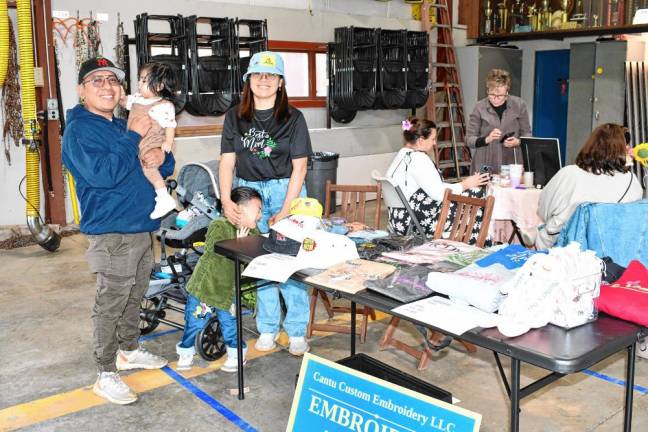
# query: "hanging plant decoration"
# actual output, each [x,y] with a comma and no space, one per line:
[10,102]
[94,39]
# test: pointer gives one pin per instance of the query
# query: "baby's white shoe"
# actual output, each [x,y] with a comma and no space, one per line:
[231,363]
[163,205]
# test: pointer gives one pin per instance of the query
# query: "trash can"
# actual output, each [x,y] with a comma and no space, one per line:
[322,166]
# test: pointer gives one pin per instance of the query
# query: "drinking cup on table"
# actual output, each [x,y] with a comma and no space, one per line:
[516,171]
[528,178]
[505,171]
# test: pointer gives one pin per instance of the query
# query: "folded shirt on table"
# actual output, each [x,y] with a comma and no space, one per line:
[405,285]
[431,252]
[473,285]
[511,257]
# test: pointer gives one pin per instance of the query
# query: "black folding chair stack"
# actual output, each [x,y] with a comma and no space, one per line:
[214,74]
[252,37]
[392,64]
[175,42]
[376,69]
[417,69]
[354,65]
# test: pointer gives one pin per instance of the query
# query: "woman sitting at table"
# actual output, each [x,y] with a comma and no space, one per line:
[496,124]
[420,181]
[601,174]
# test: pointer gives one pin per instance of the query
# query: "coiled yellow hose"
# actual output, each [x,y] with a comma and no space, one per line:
[30,125]
[4,41]
[73,198]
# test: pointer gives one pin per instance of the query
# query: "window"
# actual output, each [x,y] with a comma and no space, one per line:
[305,65]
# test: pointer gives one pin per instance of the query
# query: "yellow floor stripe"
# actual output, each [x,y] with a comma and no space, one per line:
[62,404]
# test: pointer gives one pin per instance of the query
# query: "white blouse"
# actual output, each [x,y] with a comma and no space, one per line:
[413,170]
[163,113]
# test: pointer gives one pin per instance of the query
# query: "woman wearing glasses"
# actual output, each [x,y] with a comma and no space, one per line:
[496,124]
[266,144]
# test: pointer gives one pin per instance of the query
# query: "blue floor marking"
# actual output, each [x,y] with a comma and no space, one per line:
[157,335]
[222,409]
[613,380]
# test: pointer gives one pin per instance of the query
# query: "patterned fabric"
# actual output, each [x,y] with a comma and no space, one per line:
[428,211]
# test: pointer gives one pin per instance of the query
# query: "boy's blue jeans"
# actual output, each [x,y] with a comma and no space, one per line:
[295,294]
[194,323]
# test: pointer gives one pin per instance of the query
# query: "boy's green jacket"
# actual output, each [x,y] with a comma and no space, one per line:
[212,281]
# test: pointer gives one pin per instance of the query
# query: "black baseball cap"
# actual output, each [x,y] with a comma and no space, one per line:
[99,64]
[277,243]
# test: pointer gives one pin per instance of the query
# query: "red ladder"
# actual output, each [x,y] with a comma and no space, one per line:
[445,103]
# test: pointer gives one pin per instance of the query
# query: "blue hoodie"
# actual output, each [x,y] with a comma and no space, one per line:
[102,155]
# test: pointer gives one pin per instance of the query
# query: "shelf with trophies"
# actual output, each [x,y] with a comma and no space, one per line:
[537,19]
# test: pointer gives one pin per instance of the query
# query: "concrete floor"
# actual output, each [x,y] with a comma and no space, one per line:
[47,369]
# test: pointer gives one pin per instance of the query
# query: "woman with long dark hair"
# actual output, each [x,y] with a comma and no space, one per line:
[266,141]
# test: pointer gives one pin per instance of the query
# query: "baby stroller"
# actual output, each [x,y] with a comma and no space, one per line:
[197,191]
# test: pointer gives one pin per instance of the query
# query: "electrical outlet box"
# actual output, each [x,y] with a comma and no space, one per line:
[102,17]
[39,79]
[52,109]
[60,14]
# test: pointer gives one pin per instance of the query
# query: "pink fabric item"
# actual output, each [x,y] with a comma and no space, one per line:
[517,205]
[627,298]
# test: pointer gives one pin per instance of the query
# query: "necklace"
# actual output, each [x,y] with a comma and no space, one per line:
[262,120]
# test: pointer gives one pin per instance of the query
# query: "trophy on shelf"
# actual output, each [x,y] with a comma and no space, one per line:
[544,16]
[614,13]
[502,11]
[595,22]
[578,16]
[518,17]
[565,14]
[488,13]
[532,17]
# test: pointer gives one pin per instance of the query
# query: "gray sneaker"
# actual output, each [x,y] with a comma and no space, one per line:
[139,359]
[110,386]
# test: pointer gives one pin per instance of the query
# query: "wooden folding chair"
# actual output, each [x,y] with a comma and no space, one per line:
[461,230]
[353,206]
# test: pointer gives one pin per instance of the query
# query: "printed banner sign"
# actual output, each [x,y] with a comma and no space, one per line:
[331,397]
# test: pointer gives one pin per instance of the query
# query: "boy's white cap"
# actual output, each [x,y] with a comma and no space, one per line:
[321,249]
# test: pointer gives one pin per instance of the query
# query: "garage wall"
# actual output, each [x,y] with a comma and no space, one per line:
[368,142]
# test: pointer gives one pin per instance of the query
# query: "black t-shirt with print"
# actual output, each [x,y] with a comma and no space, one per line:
[264,147]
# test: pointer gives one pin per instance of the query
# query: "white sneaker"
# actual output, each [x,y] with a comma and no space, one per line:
[163,205]
[266,342]
[139,359]
[298,346]
[185,362]
[110,386]
[231,364]
[642,348]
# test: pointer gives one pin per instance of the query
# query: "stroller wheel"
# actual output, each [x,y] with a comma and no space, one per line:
[209,342]
[149,319]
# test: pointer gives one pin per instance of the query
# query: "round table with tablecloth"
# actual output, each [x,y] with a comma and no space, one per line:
[514,207]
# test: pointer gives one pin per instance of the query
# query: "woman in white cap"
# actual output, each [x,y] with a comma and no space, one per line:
[266,141]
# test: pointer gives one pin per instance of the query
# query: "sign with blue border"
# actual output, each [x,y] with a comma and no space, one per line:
[331,397]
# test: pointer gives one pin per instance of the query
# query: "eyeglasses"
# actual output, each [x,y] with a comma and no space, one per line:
[265,75]
[99,81]
[497,96]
